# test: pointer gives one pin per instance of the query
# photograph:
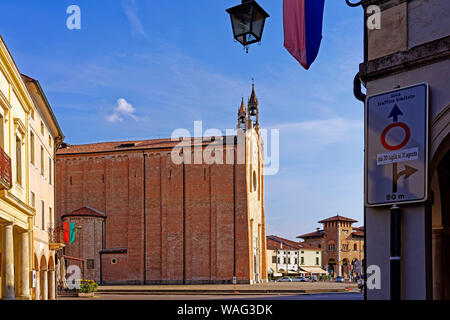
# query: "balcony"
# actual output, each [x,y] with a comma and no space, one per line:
[5,171]
[56,237]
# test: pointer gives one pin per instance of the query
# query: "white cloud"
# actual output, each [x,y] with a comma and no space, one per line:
[131,11]
[123,108]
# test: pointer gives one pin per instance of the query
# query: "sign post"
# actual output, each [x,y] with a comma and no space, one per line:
[396,159]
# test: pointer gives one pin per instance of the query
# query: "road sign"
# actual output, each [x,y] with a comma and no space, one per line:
[396,146]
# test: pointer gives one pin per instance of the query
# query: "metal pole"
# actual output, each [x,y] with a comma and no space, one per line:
[395,253]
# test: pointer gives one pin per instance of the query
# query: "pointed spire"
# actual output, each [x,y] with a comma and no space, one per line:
[253,99]
[242,108]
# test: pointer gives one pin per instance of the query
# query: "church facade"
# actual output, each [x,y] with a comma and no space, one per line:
[143,218]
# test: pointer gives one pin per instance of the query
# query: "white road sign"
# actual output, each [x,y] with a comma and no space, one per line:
[396,146]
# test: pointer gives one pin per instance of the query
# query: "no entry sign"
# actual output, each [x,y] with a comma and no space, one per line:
[396,146]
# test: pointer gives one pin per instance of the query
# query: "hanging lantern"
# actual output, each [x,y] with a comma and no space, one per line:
[247,20]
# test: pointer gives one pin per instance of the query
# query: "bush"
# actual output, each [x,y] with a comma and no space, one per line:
[88,286]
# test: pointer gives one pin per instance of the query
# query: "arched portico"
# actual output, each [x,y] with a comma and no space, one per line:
[440,206]
[43,278]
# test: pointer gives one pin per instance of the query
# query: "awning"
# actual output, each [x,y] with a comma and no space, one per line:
[276,274]
[314,270]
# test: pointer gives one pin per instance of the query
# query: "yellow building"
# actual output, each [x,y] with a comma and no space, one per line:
[16,216]
[29,136]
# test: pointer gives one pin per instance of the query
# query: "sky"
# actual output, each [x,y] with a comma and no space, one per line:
[139,69]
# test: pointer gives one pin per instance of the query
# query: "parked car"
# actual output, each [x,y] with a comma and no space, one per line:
[285,279]
[299,279]
[339,279]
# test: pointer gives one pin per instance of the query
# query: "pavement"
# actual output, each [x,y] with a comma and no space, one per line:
[284,288]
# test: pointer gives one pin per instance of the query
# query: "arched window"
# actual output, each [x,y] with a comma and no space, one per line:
[355,247]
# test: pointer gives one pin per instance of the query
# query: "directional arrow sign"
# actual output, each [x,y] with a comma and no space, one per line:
[395,113]
[396,146]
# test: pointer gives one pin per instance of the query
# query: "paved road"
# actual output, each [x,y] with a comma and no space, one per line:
[316,296]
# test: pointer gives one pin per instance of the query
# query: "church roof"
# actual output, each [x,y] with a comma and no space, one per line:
[85,212]
[116,146]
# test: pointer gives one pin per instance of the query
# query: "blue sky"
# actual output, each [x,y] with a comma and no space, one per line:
[174,62]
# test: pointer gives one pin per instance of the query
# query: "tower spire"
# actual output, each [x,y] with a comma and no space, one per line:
[242,116]
[253,106]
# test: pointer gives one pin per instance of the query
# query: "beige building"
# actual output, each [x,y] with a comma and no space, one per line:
[289,258]
[343,246]
[45,138]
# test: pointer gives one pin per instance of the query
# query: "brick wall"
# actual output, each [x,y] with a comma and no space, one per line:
[191,226]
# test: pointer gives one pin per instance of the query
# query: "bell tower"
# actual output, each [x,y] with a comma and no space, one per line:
[253,109]
[242,116]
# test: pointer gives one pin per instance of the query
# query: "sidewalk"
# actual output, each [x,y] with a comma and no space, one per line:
[208,289]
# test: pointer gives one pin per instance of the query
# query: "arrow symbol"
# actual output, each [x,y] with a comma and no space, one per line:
[407,172]
[395,112]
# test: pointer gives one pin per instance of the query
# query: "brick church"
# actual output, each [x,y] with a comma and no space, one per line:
[143,218]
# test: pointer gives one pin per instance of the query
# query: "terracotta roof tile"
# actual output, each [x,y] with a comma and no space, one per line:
[314,234]
[116,146]
[337,218]
[287,244]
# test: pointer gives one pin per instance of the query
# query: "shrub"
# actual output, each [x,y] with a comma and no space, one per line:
[88,286]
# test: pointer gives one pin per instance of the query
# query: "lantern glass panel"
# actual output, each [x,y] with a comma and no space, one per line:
[258,24]
[241,20]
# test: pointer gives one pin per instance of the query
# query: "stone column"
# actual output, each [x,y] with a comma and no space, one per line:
[8,263]
[51,285]
[37,289]
[44,285]
[24,289]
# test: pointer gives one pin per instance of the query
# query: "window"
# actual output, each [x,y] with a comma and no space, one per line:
[18,161]
[345,231]
[345,247]
[317,260]
[33,204]
[90,263]
[32,148]
[49,170]
[302,260]
[296,261]
[278,260]
[43,214]
[113,261]
[42,160]
[50,216]
[42,128]
[2,132]
[50,141]
[274,259]
[320,246]
[355,247]
[331,247]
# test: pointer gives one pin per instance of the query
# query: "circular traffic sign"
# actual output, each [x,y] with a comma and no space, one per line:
[405,140]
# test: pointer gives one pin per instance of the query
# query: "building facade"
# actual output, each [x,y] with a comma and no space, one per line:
[342,245]
[146,218]
[45,136]
[290,258]
[27,266]
[411,47]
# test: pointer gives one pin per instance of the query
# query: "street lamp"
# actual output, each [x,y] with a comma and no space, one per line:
[247,20]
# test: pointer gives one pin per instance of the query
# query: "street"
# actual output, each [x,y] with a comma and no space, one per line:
[315,296]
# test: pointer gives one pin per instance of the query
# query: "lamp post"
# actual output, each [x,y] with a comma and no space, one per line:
[247,21]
